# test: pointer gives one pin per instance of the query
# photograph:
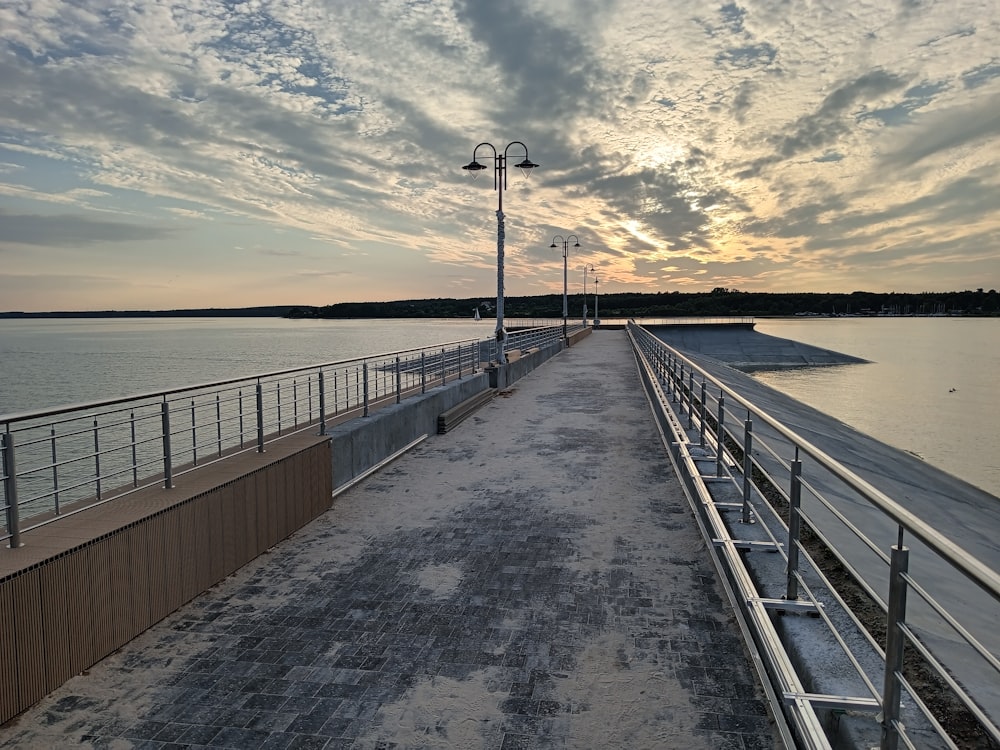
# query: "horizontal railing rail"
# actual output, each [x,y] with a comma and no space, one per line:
[887,549]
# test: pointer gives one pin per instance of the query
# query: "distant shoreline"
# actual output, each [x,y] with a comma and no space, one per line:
[281,311]
[718,302]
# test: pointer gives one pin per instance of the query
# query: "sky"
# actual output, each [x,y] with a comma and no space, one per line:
[158,155]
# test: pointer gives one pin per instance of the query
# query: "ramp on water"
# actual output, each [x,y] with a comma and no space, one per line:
[742,347]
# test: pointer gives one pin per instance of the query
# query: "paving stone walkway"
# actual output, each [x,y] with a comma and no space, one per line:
[531,579]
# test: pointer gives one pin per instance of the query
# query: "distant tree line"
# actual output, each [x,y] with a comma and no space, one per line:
[720,301]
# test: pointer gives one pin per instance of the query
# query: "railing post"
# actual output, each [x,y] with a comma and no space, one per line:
[260,417]
[168,473]
[218,424]
[747,465]
[894,642]
[194,436]
[423,372]
[443,372]
[794,527]
[55,463]
[671,369]
[720,445]
[691,398]
[399,381]
[680,386]
[364,370]
[135,457]
[97,460]
[239,401]
[322,403]
[10,489]
[704,413]
[459,361]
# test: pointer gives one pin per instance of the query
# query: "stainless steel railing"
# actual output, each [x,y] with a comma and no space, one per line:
[56,462]
[937,600]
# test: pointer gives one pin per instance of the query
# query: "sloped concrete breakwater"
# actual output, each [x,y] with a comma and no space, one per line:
[742,347]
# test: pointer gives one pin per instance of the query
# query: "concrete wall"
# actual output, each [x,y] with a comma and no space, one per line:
[503,376]
[362,443]
[359,444]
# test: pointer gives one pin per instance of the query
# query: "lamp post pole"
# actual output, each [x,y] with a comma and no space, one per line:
[565,249]
[587,267]
[597,318]
[500,184]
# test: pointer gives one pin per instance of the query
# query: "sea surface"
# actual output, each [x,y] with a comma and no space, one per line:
[929,387]
[48,363]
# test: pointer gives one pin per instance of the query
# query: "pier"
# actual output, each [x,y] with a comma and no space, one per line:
[529,579]
[562,567]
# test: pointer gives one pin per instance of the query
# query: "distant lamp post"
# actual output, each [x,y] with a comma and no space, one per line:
[500,184]
[587,267]
[564,241]
[597,318]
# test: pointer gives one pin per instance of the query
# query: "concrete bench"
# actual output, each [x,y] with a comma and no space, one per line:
[447,420]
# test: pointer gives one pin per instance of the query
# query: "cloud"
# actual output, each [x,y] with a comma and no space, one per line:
[70,230]
[946,130]
[743,140]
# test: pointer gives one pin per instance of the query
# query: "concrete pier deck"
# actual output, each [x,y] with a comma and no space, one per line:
[531,579]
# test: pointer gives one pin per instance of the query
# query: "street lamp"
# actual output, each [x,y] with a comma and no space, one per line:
[587,267]
[597,319]
[565,247]
[500,184]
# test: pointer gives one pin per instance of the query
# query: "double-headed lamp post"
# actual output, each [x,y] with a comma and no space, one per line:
[587,267]
[500,184]
[564,241]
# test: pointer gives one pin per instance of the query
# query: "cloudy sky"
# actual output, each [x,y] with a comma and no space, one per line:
[158,155]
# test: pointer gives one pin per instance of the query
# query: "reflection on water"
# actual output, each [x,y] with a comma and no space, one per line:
[929,387]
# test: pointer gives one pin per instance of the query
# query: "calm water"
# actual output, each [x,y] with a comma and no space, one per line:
[929,388]
[45,363]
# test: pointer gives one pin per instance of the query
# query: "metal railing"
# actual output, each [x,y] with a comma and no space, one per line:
[56,462]
[938,602]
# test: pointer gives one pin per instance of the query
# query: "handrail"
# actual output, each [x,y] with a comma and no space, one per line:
[673,367]
[101,403]
[984,576]
[72,457]
[57,461]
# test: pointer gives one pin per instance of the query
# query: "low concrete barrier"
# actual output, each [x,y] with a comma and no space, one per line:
[503,376]
[359,444]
